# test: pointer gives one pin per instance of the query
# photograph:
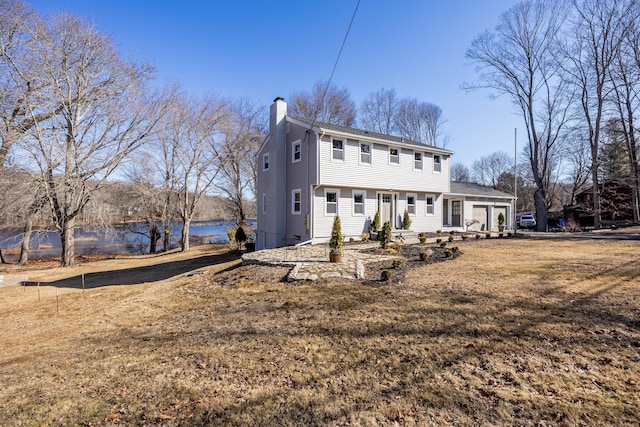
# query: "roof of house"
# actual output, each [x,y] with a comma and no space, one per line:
[369,134]
[472,189]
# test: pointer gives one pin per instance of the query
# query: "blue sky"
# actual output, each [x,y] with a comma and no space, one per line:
[263,49]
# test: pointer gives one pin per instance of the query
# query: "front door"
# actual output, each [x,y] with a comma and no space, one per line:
[386,209]
[456,213]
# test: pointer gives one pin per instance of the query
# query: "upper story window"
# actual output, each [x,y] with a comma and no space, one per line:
[430,206]
[417,161]
[411,204]
[394,157]
[337,150]
[331,202]
[265,162]
[437,163]
[296,151]
[365,154]
[296,202]
[358,202]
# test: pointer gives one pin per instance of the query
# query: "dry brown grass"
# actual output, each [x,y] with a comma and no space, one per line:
[513,332]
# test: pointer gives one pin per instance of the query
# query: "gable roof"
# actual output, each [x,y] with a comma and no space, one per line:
[361,133]
[472,189]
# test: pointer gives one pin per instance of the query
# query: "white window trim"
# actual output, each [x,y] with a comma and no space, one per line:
[264,203]
[353,202]
[331,190]
[370,154]
[421,161]
[293,151]
[293,201]
[434,163]
[344,143]
[415,203]
[426,209]
[266,165]
[389,158]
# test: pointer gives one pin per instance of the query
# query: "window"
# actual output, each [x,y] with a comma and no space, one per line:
[264,203]
[437,164]
[358,202]
[430,206]
[265,161]
[296,198]
[417,161]
[331,204]
[411,204]
[365,154]
[296,151]
[393,156]
[337,150]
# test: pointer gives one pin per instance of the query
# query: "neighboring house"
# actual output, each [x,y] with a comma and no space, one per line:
[309,172]
[616,205]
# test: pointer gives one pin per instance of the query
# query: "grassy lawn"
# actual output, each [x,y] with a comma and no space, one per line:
[512,332]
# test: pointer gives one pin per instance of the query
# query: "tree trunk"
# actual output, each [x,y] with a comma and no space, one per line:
[68,243]
[541,210]
[184,241]
[154,234]
[2,261]
[26,239]
[595,192]
[166,240]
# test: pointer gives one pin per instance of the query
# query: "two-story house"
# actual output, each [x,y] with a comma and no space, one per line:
[310,172]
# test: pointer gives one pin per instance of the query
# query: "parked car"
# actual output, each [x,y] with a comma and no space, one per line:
[527,221]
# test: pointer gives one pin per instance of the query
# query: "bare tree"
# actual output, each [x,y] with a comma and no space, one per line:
[420,122]
[240,141]
[488,170]
[518,60]
[378,111]
[460,172]
[103,117]
[190,140]
[325,103]
[599,30]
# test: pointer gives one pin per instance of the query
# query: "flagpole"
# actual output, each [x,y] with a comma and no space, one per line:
[515,181]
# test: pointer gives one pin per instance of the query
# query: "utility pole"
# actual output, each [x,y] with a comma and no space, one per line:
[515,181]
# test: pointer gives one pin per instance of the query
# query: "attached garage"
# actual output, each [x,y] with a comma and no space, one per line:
[481,215]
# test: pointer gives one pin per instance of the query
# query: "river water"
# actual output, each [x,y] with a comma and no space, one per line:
[117,240]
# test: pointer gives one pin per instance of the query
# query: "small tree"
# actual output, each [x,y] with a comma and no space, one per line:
[406,220]
[500,218]
[240,237]
[375,225]
[335,243]
[385,235]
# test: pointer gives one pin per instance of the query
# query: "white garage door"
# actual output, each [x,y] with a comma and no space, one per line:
[480,214]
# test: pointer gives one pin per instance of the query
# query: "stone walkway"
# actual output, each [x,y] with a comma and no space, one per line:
[311,262]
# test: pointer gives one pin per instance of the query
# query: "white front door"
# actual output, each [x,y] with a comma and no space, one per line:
[386,209]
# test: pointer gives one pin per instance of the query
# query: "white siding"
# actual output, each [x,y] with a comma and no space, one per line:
[381,174]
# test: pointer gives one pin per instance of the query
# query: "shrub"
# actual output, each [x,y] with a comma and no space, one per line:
[231,234]
[385,235]
[452,232]
[500,218]
[351,240]
[487,235]
[375,225]
[386,275]
[424,256]
[422,237]
[335,243]
[396,263]
[451,238]
[448,253]
[438,231]
[240,236]
[464,237]
[365,237]
[443,244]
[390,251]
[477,236]
[501,235]
[406,220]
[438,240]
